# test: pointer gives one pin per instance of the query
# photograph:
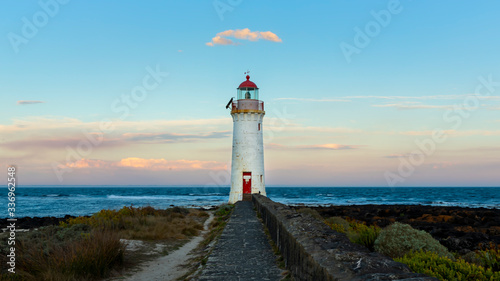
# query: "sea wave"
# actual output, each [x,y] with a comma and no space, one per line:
[146,197]
[55,195]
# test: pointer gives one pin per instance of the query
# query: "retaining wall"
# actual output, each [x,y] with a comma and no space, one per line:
[313,251]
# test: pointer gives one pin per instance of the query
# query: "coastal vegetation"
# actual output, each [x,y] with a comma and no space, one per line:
[420,251]
[357,232]
[398,239]
[94,247]
[445,268]
[145,223]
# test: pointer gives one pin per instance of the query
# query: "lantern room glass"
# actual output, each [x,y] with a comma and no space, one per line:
[248,93]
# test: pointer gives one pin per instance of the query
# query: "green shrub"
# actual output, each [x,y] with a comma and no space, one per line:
[398,239]
[311,212]
[362,234]
[444,268]
[471,257]
[224,210]
[357,232]
[338,224]
[490,257]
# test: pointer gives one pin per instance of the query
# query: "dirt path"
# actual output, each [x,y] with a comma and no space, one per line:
[168,267]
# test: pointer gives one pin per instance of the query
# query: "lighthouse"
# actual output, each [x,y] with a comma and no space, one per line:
[247,165]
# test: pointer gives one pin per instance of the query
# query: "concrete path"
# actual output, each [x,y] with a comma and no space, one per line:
[243,251]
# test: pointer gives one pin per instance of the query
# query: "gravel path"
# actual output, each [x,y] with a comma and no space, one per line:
[168,267]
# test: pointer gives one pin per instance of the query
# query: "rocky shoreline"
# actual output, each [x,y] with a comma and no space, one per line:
[35,222]
[459,229]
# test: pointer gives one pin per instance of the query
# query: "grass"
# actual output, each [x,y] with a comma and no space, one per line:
[146,223]
[489,256]
[76,253]
[444,268]
[357,232]
[311,212]
[222,215]
[362,234]
[89,248]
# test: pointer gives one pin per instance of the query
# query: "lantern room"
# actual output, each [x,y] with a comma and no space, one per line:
[248,90]
[248,98]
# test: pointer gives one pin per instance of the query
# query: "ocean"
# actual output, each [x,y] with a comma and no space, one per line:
[54,201]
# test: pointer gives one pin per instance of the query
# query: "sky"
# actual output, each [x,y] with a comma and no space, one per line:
[357,93]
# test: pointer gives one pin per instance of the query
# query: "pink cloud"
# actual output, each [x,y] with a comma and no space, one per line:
[147,164]
[217,40]
[88,163]
[244,34]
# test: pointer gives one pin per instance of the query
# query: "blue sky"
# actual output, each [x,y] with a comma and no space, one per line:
[349,121]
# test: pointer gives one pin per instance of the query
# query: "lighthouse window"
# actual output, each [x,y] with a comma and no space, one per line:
[260,178]
[259,126]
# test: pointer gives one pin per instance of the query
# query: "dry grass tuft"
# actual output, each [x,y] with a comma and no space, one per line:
[46,255]
[146,223]
[89,248]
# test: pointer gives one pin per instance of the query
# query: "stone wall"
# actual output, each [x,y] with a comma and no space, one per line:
[313,251]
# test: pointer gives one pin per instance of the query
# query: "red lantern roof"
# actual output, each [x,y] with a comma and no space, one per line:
[248,84]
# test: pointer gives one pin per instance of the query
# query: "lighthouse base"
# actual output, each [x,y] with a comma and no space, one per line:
[240,196]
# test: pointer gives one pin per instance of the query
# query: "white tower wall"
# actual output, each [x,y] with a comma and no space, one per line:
[248,152]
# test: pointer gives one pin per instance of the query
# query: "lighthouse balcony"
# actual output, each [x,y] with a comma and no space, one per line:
[247,105]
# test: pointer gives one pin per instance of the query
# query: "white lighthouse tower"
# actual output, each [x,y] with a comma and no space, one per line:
[247,165]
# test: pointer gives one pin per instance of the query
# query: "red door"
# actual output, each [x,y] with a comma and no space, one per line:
[247,182]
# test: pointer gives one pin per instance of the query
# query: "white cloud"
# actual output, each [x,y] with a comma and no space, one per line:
[404,104]
[434,97]
[222,38]
[413,105]
[314,100]
[455,133]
